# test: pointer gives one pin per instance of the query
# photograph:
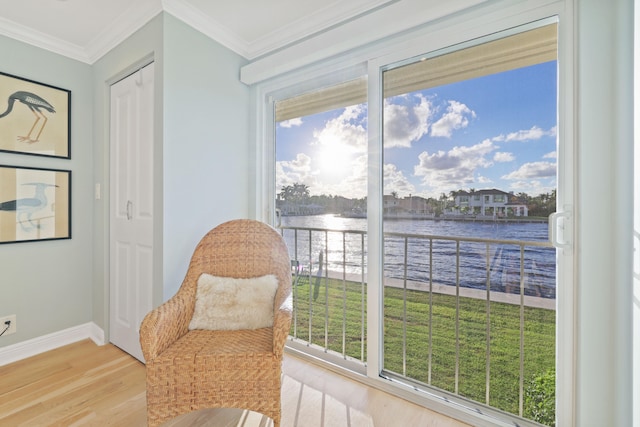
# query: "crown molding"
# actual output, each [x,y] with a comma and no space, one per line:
[286,35]
[130,21]
[331,16]
[208,26]
[36,38]
[368,28]
[127,23]
[141,12]
[340,19]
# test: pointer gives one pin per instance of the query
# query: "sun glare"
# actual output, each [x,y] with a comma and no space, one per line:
[334,160]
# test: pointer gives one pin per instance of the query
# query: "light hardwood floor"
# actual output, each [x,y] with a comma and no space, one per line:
[87,385]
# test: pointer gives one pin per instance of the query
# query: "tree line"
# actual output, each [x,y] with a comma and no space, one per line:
[540,205]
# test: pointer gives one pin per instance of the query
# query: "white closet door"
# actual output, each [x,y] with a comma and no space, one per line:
[131,211]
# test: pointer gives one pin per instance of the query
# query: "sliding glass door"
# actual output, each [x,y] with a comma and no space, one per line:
[424,204]
[470,153]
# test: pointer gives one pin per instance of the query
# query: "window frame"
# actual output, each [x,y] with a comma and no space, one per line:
[443,34]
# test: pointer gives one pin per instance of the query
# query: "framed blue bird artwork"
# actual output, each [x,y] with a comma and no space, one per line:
[34,204]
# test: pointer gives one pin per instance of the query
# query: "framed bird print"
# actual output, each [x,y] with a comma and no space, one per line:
[35,118]
[35,204]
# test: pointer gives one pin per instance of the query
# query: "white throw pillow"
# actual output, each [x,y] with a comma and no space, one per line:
[227,303]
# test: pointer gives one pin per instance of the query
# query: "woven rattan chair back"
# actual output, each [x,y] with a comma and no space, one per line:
[241,248]
[191,370]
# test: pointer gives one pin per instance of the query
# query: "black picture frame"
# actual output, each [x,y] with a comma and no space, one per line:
[35,204]
[35,118]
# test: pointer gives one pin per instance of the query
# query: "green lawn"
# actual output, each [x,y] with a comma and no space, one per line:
[504,323]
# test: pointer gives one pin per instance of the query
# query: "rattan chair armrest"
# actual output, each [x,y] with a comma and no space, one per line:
[165,324]
[282,325]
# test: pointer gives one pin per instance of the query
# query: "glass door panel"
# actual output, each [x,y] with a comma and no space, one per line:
[469,180]
[321,188]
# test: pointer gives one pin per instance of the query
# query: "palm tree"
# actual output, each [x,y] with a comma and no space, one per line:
[286,193]
[300,192]
[294,193]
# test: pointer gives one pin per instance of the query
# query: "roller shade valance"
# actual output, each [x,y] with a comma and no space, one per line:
[349,93]
[508,53]
[516,51]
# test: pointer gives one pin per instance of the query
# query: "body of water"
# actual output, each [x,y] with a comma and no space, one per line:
[441,260]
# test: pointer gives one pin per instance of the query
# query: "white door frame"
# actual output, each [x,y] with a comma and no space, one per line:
[131,211]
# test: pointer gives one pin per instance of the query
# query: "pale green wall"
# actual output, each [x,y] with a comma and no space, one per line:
[201,179]
[141,47]
[206,137]
[48,284]
[201,171]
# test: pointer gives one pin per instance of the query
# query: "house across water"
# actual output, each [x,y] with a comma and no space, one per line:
[492,202]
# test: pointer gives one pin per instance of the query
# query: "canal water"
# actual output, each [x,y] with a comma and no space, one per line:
[439,259]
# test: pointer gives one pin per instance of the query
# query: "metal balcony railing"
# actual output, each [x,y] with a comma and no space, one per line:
[497,296]
[320,307]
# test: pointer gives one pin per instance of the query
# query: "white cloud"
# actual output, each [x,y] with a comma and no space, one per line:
[533,170]
[532,134]
[405,124]
[551,155]
[294,171]
[456,117]
[503,157]
[532,187]
[480,179]
[395,181]
[347,130]
[526,135]
[455,168]
[291,123]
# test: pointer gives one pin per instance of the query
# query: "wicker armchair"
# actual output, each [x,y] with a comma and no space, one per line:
[195,369]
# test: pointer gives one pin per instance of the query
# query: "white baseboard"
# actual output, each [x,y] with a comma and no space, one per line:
[22,350]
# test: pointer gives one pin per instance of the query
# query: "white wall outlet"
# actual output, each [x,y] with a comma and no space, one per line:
[12,326]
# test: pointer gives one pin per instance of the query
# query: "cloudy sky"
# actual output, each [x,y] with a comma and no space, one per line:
[497,131]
